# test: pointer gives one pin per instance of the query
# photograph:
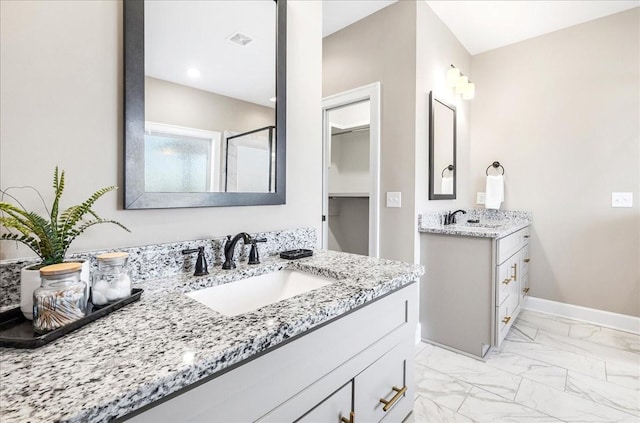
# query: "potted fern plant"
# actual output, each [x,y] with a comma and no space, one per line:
[48,236]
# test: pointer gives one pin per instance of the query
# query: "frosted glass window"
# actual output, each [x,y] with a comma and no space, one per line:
[181,159]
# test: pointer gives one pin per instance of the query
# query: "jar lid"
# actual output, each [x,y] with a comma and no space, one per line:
[60,269]
[112,257]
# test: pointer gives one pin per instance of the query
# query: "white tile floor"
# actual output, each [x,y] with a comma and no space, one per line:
[549,369]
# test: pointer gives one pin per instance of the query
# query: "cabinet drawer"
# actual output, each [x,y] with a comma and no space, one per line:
[505,316]
[384,380]
[524,235]
[510,244]
[332,409]
[524,262]
[524,285]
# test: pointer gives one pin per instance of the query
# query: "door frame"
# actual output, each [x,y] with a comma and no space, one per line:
[369,92]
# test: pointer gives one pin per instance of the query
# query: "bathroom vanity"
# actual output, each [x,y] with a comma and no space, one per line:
[341,352]
[477,280]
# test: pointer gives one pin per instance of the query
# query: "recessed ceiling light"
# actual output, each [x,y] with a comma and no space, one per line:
[240,38]
[272,99]
[193,72]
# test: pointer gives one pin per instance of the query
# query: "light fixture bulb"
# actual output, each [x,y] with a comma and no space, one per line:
[469,91]
[462,83]
[193,73]
[452,76]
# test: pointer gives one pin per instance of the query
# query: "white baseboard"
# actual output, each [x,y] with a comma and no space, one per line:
[589,315]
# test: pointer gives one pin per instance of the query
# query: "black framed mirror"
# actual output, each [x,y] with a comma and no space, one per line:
[176,131]
[442,149]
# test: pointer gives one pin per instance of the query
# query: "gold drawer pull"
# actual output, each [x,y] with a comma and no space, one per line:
[506,281]
[525,290]
[348,420]
[515,271]
[506,320]
[527,260]
[396,397]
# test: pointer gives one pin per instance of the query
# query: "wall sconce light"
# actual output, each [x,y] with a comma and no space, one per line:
[461,83]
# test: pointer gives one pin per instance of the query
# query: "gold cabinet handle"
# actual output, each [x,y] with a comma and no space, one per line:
[399,392]
[527,260]
[348,420]
[515,271]
[506,320]
[506,281]
[525,290]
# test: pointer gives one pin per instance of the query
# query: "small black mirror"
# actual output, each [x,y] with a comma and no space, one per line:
[442,150]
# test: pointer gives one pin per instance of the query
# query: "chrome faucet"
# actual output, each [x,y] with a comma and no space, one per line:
[230,248]
[450,218]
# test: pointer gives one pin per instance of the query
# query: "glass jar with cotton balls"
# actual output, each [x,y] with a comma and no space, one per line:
[112,281]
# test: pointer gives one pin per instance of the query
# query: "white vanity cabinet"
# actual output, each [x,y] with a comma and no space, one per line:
[338,372]
[512,282]
[473,288]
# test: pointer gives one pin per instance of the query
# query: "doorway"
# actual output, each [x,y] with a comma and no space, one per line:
[351,171]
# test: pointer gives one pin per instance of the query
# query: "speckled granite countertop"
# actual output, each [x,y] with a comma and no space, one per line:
[493,223]
[167,341]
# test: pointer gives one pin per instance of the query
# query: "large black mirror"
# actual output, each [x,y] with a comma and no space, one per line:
[205,103]
[442,150]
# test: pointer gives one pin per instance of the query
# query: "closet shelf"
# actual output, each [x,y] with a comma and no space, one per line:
[348,195]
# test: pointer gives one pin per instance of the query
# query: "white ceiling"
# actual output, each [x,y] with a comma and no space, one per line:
[181,34]
[338,14]
[485,25]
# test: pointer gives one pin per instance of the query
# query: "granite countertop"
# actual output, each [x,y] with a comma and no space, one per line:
[167,341]
[497,230]
[493,224]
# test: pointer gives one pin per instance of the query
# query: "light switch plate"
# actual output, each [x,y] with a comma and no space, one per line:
[394,199]
[480,198]
[621,199]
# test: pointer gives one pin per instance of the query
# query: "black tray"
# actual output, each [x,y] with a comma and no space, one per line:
[296,254]
[16,331]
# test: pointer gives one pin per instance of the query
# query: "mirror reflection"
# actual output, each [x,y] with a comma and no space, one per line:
[442,149]
[209,77]
[196,75]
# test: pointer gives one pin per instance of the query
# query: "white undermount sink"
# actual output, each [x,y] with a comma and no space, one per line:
[252,293]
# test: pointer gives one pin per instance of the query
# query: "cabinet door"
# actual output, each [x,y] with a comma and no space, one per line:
[506,316]
[504,275]
[385,380]
[333,409]
[515,268]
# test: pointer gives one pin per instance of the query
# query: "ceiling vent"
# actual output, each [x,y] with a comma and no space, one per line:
[240,38]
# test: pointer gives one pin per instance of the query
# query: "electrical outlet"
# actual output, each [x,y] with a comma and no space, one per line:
[621,199]
[394,199]
[480,198]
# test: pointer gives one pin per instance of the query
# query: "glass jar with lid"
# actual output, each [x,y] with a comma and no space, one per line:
[61,298]
[112,280]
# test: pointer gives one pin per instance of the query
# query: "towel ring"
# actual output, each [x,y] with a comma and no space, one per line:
[496,165]
[450,167]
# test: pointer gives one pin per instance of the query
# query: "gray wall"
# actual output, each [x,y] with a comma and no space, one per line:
[562,113]
[61,103]
[349,225]
[382,48]
[175,104]
[408,49]
[437,48]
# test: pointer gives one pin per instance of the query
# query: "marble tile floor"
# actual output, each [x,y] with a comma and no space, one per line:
[549,369]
